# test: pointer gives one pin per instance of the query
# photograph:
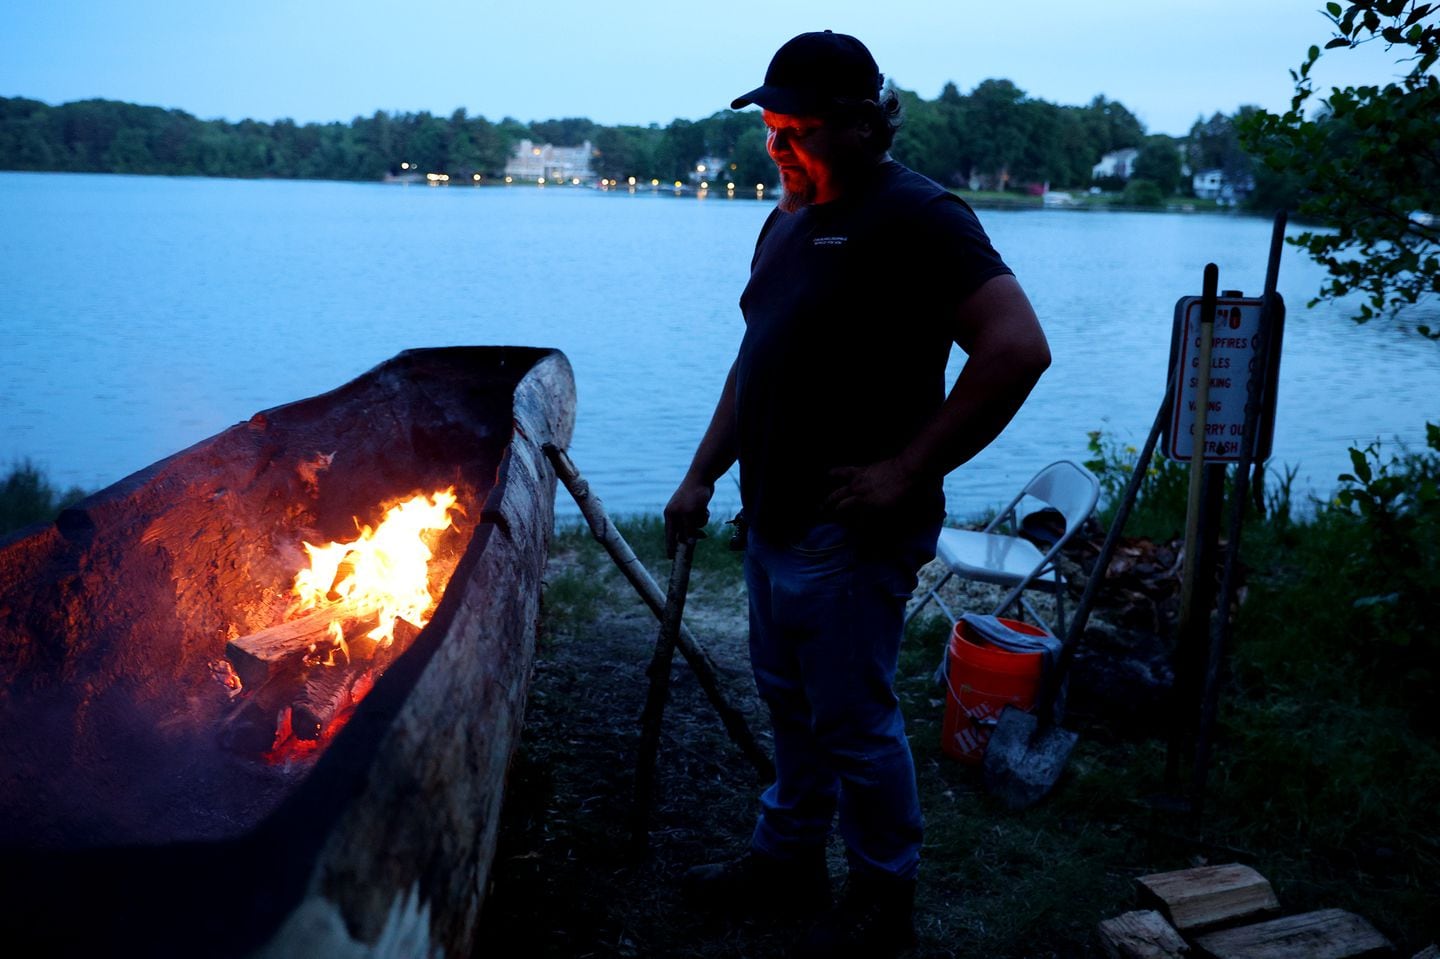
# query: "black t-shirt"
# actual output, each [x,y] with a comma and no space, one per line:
[849,319]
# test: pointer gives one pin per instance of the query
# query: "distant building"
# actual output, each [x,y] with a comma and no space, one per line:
[531,161]
[1214,185]
[1116,163]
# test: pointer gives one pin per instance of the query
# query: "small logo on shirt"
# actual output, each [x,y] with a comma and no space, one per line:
[829,241]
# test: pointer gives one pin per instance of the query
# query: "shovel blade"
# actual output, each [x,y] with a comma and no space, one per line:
[1024,758]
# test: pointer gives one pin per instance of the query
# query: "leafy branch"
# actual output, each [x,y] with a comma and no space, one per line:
[1366,161]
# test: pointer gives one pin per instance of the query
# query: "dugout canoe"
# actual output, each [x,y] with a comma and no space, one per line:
[127,827]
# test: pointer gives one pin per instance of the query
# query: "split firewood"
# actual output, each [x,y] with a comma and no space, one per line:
[305,677]
[1141,935]
[327,693]
[1207,896]
[282,648]
[330,690]
[1324,934]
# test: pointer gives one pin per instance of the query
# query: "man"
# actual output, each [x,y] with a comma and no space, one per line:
[836,409]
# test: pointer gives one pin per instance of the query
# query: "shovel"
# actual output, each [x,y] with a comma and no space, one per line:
[1027,752]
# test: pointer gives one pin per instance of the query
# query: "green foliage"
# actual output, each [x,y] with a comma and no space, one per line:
[1363,567]
[1366,165]
[1215,145]
[1392,507]
[571,131]
[1159,510]
[1159,162]
[996,137]
[1002,139]
[100,136]
[1143,193]
[26,497]
[622,152]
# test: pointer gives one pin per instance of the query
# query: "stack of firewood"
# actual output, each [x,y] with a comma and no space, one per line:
[1231,912]
[296,677]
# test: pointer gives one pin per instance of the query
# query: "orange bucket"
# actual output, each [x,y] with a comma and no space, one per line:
[982,679]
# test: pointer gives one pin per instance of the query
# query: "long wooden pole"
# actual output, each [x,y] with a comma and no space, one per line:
[1189,634]
[1049,710]
[1258,394]
[658,695]
[629,564]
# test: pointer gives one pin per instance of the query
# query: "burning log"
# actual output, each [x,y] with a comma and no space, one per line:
[299,676]
[281,649]
[303,672]
[330,690]
[328,693]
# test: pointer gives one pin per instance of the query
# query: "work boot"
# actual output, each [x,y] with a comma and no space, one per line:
[757,884]
[874,920]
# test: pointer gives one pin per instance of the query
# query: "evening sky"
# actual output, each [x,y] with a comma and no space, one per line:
[1168,61]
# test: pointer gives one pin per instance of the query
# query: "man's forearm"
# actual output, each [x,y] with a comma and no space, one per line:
[997,328]
[985,398]
[1007,350]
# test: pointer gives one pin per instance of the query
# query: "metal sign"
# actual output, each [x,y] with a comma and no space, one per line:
[1234,361]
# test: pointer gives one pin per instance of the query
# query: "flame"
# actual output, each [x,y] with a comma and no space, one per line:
[385,569]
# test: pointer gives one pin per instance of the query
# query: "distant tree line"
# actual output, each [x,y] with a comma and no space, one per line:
[995,137]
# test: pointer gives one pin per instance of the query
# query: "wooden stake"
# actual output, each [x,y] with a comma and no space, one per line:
[1190,634]
[608,536]
[659,695]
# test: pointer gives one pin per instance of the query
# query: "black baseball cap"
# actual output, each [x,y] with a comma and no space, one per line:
[812,71]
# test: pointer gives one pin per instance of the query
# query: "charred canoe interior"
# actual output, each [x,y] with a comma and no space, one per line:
[189,762]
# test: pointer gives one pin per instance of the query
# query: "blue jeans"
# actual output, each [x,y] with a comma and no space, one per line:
[826,616]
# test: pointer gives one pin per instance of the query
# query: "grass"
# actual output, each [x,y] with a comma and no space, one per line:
[1325,771]
[1083,199]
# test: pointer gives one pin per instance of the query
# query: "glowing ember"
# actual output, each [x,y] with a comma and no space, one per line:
[385,569]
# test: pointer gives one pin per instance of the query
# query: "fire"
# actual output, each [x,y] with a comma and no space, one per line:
[385,570]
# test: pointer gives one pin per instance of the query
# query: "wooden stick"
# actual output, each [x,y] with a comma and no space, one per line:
[282,648]
[1260,388]
[1192,627]
[608,536]
[659,695]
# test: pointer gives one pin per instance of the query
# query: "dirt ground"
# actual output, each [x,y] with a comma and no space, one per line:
[564,883]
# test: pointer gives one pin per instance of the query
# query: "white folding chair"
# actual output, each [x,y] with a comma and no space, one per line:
[998,555]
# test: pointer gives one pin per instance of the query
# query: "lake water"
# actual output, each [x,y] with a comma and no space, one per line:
[141,314]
